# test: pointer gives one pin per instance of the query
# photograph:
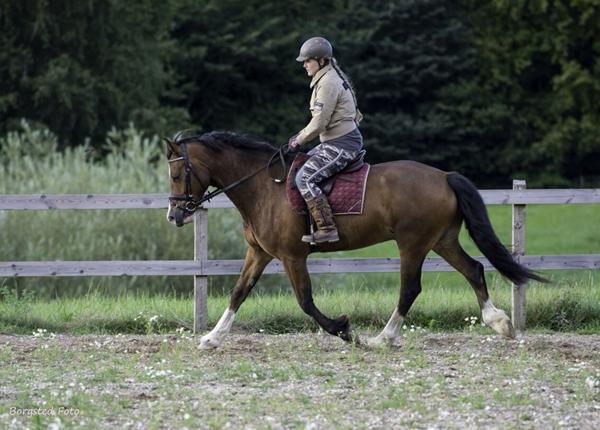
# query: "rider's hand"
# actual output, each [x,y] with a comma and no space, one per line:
[293,143]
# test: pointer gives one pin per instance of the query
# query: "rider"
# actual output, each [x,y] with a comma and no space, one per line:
[335,119]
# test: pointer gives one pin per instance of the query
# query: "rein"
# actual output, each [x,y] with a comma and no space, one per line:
[192,203]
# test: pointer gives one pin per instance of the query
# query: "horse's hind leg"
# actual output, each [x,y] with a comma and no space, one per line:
[410,286]
[300,279]
[254,264]
[451,251]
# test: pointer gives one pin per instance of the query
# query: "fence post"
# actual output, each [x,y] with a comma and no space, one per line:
[200,281]
[518,249]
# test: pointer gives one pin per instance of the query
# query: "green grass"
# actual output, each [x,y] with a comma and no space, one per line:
[567,305]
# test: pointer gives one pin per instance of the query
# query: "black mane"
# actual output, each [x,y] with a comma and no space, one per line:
[222,140]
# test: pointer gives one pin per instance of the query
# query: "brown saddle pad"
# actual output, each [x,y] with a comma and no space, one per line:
[345,191]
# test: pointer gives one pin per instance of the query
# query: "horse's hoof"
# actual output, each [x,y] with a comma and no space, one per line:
[346,336]
[507,330]
[498,321]
[353,339]
[504,327]
[342,328]
[378,342]
[207,343]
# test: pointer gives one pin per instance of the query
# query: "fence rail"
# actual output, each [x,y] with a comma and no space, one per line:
[158,201]
[233,267]
[201,267]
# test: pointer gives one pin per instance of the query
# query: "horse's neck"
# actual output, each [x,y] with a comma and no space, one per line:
[253,193]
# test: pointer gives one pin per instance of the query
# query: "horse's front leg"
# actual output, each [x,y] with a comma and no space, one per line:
[254,264]
[300,279]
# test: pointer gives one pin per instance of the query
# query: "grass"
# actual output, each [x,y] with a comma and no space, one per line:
[568,305]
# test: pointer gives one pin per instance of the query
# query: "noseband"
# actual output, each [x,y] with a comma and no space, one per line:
[192,203]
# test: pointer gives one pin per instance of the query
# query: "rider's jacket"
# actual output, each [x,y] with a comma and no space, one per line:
[332,107]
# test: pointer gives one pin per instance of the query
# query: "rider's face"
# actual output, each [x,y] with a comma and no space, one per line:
[311,66]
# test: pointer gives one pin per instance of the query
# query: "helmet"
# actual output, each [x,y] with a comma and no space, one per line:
[315,47]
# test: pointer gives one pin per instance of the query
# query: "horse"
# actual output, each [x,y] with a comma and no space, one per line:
[419,207]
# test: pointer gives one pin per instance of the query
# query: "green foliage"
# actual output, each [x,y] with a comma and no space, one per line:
[539,66]
[236,65]
[30,164]
[572,305]
[408,53]
[82,67]
[495,89]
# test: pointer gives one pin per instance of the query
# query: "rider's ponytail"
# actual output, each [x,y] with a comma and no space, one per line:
[342,75]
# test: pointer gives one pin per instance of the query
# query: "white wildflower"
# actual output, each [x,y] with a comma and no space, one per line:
[40,332]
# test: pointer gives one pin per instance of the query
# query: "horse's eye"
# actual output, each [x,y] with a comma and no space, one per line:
[175,177]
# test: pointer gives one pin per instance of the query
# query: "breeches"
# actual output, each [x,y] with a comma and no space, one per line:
[324,162]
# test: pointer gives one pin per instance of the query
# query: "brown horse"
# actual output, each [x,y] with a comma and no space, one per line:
[418,206]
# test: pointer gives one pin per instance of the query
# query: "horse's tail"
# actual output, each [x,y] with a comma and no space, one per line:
[480,229]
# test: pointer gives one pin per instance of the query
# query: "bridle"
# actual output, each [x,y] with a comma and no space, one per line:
[191,203]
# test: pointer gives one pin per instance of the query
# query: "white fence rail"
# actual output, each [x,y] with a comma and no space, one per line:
[201,267]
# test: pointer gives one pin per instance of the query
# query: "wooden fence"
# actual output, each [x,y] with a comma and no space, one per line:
[200,268]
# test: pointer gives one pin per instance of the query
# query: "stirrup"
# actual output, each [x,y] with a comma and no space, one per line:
[309,238]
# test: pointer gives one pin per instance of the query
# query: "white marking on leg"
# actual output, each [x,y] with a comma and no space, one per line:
[390,332]
[497,319]
[217,334]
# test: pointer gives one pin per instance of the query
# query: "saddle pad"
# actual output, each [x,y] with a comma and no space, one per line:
[347,194]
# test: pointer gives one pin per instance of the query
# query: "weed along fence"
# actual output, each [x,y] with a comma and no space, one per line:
[200,268]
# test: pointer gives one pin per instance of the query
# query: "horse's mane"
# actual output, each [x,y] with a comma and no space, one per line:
[223,140]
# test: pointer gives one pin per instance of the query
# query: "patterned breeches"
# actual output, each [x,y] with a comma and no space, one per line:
[324,162]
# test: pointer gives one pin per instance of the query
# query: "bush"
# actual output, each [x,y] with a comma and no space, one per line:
[131,163]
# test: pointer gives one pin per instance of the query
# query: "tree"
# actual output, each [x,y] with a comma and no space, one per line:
[403,56]
[82,67]
[539,68]
[236,63]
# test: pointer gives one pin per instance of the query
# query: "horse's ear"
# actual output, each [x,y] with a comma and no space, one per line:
[171,149]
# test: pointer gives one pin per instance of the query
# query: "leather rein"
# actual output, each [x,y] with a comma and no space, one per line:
[192,203]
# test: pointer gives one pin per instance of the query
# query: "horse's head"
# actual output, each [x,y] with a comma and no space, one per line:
[188,178]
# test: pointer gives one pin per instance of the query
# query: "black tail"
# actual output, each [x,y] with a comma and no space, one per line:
[480,229]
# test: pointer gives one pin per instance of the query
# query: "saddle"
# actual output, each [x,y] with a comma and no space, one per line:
[345,190]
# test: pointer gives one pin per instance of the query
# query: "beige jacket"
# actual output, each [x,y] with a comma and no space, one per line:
[332,107]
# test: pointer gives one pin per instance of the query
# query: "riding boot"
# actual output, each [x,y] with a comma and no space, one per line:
[321,212]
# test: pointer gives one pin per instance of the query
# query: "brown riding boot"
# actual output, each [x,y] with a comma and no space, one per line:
[321,212]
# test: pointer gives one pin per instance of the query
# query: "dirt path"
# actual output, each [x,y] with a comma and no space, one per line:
[429,381]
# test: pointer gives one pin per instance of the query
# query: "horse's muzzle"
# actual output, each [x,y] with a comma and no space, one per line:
[180,216]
